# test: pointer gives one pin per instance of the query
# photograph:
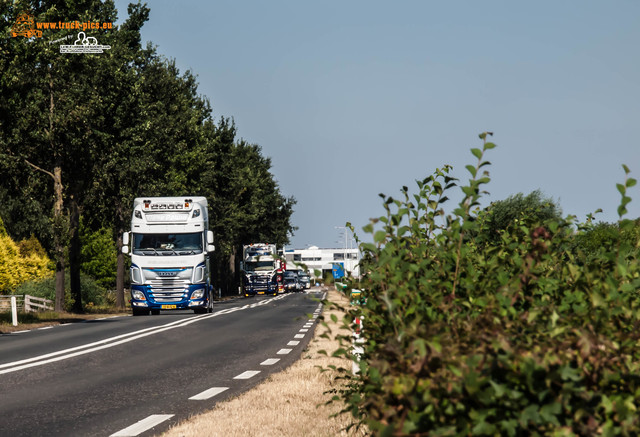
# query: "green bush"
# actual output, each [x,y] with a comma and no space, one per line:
[98,257]
[525,336]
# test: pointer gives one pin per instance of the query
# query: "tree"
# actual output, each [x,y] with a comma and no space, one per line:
[52,111]
[83,135]
[517,209]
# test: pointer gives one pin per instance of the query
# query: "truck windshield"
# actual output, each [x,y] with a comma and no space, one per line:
[167,244]
[257,266]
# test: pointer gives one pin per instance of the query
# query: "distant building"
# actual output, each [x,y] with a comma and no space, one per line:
[324,260]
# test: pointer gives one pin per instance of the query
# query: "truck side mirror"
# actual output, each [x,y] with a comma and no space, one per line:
[211,248]
[125,243]
[209,237]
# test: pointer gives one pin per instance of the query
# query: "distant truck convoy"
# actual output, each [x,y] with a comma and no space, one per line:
[262,270]
[169,245]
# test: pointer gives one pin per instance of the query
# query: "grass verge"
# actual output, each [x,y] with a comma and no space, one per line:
[287,404]
[28,321]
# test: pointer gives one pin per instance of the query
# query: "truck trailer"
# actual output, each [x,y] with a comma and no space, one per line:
[169,245]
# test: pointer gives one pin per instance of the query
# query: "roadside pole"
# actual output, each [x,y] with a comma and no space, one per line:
[14,311]
[356,335]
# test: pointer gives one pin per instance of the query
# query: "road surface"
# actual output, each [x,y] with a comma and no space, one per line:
[129,376]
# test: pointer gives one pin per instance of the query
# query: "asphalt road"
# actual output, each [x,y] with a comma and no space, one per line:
[128,376]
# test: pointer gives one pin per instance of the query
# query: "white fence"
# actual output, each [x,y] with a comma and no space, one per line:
[26,303]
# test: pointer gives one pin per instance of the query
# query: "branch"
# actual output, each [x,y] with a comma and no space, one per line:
[40,169]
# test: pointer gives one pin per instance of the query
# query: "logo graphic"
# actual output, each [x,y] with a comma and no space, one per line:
[25,26]
[84,44]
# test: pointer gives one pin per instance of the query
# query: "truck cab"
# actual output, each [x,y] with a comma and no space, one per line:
[169,245]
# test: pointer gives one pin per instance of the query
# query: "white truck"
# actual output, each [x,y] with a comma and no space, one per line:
[262,270]
[169,245]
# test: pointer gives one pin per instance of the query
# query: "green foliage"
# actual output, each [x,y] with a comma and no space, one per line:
[517,210]
[119,125]
[92,293]
[99,256]
[527,336]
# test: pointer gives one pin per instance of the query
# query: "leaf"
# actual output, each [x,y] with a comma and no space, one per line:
[379,236]
[471,170]
[477,153]
[626,169]
[489,146]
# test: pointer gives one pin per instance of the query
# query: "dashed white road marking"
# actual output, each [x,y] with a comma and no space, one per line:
[303,330]
[293,343]
[298,336]
[284,351]
[270,362]
[248,374]
[45,327]
[208,394]
[143,425]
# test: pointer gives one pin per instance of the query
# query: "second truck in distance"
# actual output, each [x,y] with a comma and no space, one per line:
[262,270]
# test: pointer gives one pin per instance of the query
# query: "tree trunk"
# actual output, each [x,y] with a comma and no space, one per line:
[120,266]
[59,242]
[120,275]
[74,255]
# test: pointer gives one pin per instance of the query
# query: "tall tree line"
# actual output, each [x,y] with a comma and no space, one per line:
[81,135]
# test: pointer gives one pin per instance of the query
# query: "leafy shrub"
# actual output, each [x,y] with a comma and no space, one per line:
[92,293]
[21,262]
[99,256]
[504,214]
[528,336]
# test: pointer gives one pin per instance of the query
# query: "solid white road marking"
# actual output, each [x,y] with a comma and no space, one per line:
[208,394]
[111,342]
[248,374]
[142,426]
[270,362]
[284,351]
[293,343]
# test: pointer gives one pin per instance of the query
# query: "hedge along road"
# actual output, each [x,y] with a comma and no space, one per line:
[140,375]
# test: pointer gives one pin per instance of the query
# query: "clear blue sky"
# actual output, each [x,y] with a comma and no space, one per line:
[354,98]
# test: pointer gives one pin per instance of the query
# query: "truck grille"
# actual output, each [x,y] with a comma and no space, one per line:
[168,289]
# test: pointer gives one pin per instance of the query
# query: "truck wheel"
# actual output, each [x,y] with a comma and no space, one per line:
[138,312]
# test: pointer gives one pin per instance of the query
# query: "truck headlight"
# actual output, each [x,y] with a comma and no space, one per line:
[198,294]
[138,295]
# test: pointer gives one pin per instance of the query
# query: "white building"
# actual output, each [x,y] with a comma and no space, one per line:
[323,260]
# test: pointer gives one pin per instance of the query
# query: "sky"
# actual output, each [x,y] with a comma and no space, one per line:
[354,98]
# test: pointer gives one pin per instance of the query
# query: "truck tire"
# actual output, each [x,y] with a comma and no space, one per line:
[139,312]
[155,312]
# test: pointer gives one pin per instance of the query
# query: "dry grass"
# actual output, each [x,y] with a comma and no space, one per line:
[289,403]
